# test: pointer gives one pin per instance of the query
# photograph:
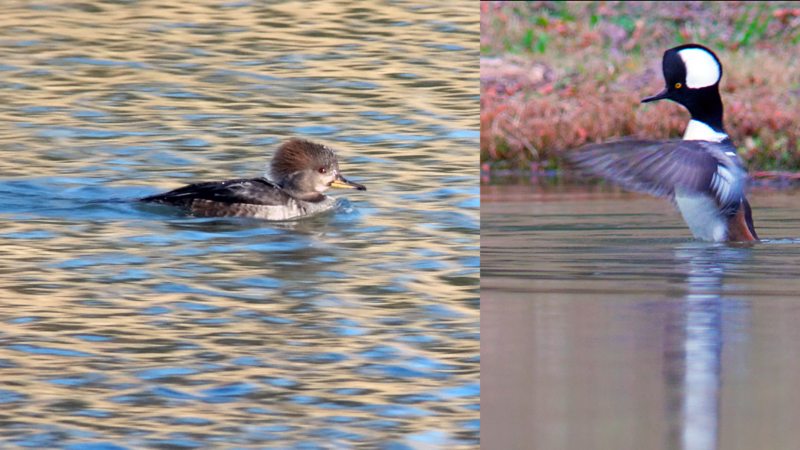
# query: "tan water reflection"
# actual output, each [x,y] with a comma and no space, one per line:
[150,329]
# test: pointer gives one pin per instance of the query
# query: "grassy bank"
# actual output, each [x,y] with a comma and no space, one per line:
[556,75]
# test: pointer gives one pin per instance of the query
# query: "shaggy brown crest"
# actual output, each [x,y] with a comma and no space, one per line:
[296,155]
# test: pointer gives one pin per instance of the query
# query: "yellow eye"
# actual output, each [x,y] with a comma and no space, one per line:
[678,85]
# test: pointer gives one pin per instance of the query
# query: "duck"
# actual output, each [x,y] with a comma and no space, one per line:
[299,173]
[701,173]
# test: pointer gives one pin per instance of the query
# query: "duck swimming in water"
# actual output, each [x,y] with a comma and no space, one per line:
[300,171]
[702,173]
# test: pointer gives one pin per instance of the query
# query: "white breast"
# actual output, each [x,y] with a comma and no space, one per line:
[701,214]
[293,209]
[699,131]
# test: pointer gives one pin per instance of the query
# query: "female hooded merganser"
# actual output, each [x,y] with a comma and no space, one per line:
[702,172]
[301,171]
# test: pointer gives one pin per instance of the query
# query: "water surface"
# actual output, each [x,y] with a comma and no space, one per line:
[143,327]
[605,325]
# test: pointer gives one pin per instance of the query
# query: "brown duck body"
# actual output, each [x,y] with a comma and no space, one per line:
[303,170]
[258,198]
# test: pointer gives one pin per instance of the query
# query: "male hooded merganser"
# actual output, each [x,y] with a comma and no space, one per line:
[702,172]
[301,171]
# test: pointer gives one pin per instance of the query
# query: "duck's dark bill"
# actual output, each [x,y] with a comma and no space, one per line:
[660,96]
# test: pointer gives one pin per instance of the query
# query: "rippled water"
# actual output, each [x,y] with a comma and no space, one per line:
[605,325]
[137,326]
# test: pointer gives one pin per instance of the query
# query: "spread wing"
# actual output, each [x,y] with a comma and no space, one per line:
[254,191]
[665,167]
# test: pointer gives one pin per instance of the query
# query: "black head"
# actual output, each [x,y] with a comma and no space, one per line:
[692,73]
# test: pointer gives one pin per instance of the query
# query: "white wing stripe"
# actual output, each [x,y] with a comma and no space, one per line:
[722,183]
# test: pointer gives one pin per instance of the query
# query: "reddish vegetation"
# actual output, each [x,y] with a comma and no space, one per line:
[573,82]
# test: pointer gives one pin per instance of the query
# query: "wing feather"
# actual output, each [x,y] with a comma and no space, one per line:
[254,191]
[664,168]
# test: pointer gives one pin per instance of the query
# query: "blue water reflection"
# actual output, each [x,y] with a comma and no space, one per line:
[129,325]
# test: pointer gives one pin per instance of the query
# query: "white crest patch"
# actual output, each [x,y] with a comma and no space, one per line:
[701,68]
